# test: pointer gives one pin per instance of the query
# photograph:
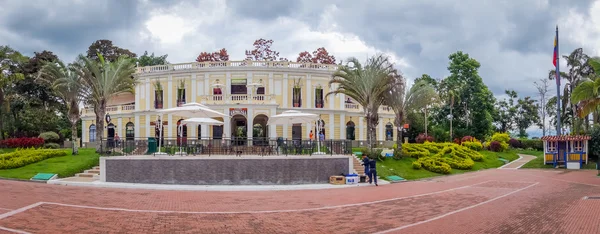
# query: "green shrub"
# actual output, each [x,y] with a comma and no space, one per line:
[416,165]
[501,137]
[474,145]
[397,154]
[594,142]
[22,157]
[535,144]
[50,137]
[51,146]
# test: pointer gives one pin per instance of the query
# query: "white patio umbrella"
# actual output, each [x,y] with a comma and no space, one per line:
[189,110]
[295,117]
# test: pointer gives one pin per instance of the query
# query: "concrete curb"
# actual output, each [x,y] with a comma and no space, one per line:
[99,184]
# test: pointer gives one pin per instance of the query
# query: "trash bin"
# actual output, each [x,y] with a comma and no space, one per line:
[151,145]
[351,179]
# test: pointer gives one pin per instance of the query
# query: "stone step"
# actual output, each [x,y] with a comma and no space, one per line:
[96,168]
[93,171]
[85,174]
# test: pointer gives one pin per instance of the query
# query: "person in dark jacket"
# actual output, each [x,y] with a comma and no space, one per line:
[373,171]
[365,163]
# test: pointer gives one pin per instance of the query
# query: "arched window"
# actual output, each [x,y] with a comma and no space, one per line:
[350,131]
[92,133]
[389,132]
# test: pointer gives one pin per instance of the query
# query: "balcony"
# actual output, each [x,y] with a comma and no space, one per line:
[237,98]
[230,64]
[111,109]
[319,103]
[180,102]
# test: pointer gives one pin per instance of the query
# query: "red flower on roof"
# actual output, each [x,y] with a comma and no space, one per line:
[567,138]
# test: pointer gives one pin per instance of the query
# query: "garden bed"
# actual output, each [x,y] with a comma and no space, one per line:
[64,166]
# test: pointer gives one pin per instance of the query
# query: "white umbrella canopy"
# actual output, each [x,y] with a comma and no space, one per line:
[292,117]
[202,121]
[193,110]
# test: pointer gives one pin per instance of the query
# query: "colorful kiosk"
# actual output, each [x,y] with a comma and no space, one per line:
[566,151]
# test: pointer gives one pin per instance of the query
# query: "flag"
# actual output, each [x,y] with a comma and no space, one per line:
[555,58]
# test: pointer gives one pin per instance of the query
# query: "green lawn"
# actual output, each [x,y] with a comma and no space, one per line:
[63,166]
[538,162]
[403,167]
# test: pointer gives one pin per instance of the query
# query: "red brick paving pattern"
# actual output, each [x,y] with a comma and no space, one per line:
[552,206]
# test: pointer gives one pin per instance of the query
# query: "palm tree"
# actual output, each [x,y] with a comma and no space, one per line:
[587,93]
[104,79]
[418,97]
[368,85]
[67,84]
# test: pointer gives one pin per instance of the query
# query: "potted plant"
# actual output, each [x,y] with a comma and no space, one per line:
[181,93]
[158,95]
[296,91]
[319,96]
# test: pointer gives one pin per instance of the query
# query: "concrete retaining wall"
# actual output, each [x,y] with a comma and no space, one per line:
[223,170]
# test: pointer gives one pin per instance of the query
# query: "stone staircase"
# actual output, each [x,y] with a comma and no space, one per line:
[93,173]
[356,164]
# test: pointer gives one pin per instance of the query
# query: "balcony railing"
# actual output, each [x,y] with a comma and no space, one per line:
[180,102]
[237,98]
[351,106]
[207,65]
[111,109]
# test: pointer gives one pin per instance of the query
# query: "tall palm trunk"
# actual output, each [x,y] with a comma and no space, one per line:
[100,111]
[398,123]
[74,137]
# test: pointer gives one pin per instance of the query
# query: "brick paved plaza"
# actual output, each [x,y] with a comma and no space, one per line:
[491,201]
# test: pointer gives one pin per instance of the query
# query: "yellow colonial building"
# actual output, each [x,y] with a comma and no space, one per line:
[248,91]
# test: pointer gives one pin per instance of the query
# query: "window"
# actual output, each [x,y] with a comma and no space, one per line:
[129,131]
[260,91]
[578,145]
[551,146]
[350,131]
[319,102]
[158,95]
[92,133]
[389,132]
[297,96]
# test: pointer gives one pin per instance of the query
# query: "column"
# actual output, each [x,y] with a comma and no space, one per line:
[273,128]
[361,133]
[193,97]
[137,97]
[331,124]
[332,105]
[285,88]
[84,136]
[120,127]
[271,88]
[285,131]
[227,87]
[148,127]
[342,126]
[343,102]
[380,135]
[307,102]
[148,97]
[308,128]
[227,123]
[168,92]
[170,126]
[204,131]
[136,128]
[207,91]
[250,123]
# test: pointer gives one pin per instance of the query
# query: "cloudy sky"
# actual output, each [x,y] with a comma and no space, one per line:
[512,39]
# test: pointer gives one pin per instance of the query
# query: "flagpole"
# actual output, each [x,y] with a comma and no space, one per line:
[558,113]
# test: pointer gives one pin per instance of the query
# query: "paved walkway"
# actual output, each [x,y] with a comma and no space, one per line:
[489,201]
[523,159]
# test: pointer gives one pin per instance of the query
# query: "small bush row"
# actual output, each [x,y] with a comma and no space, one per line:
[22,142]
[441,157]
[22,157]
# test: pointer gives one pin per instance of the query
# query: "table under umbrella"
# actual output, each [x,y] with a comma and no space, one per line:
[296,117]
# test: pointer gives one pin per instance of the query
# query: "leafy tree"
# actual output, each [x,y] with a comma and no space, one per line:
[321,55]
[10,60]
[428,79]
[505,111]
[474,102]
[151,60]
[262,51]
[542,87]
[418,97]
[103,80]
[587,93]
[368,85]
[526,115]
[68,84]
[220,55]
[106,48]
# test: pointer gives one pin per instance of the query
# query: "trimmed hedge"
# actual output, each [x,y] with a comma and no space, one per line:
[23,142]
[441,157]
[51,146]
[50,137]
[535,144]
[22,157]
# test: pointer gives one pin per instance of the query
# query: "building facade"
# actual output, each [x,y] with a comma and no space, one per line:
[248,91]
